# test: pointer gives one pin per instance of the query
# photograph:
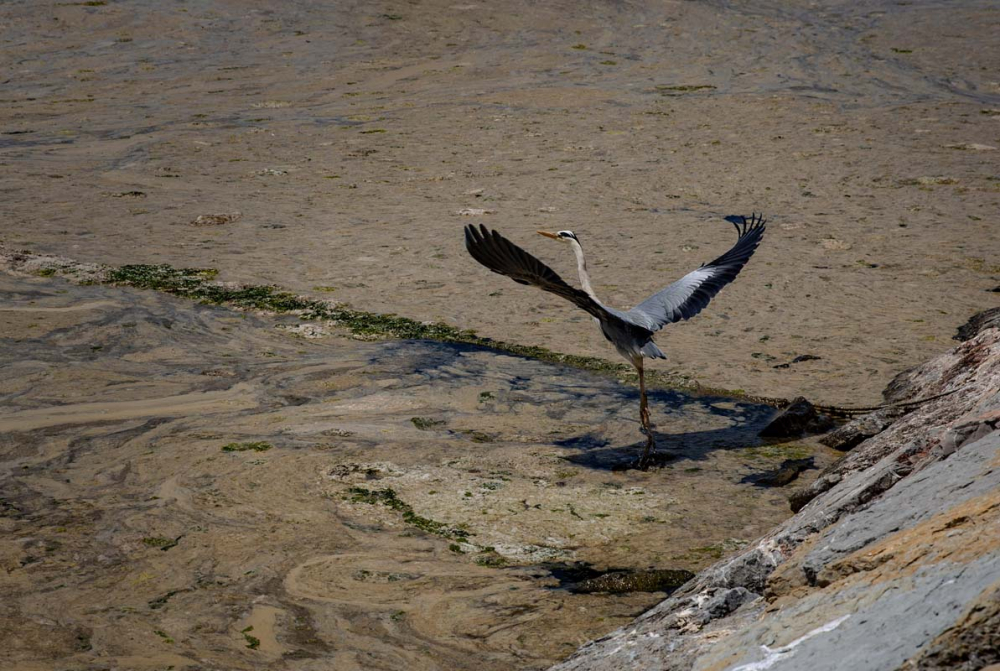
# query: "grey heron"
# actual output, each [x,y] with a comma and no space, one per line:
[630,331]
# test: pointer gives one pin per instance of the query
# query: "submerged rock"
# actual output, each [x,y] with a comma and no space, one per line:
[788,471]
[621,582]
[799,418]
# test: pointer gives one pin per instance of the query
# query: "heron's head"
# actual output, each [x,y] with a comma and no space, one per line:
[562,236]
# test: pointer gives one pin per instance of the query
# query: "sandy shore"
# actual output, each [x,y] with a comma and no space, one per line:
[347,138]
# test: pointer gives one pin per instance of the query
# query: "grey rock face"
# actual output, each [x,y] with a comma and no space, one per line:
[892,561]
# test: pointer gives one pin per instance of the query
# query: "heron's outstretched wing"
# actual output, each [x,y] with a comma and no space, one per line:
[502,256]
[689,295]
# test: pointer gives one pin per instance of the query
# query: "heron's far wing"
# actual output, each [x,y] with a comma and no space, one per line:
[689,295]
[502,256]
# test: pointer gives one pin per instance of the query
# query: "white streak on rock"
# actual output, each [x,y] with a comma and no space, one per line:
[772,657]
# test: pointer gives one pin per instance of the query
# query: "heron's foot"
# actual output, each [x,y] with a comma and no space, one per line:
[646,460]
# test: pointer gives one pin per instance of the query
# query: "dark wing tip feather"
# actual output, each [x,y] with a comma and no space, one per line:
[744,225]
[502,256]
[689,295]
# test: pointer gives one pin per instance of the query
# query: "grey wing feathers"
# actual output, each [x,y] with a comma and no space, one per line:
[689,295]
[504,257]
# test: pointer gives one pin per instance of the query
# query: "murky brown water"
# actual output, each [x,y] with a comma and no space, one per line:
[349,135]
[133,539]
[341,141]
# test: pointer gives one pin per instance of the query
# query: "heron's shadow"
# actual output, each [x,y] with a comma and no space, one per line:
[598,451]
[588,395]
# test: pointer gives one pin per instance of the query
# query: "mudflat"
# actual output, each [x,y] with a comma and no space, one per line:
[331,148]
[194,486]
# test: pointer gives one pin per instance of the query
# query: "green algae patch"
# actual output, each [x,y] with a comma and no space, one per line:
[252,641]
[778,451]
[160,543]
[490,559]
[259,446]
[162,277]
[161,601]
[426,423]
[478,436]
[197,284]
[388,497]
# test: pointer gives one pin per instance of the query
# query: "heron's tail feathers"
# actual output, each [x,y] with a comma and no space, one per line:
[651,351]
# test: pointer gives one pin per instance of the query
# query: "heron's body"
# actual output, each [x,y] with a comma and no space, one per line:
[630,331]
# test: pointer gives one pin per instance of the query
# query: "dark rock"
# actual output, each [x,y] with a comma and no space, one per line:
[977,323]
[862,428]
[788,471]
[798,499]
[799,418]
[623,582]
[799,359]
[726,601]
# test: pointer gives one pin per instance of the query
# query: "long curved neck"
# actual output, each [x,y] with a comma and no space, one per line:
[581,266]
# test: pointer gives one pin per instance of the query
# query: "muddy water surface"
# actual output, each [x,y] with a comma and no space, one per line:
[389,505]
[330,147]
[201,488]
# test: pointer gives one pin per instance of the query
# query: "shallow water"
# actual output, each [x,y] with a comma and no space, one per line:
[348,136]
[173,474]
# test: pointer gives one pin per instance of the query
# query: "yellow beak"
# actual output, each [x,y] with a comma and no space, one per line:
[549,235]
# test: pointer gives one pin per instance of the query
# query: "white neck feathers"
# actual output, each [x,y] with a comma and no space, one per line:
[581,267]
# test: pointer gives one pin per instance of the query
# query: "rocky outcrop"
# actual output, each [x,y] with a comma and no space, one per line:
[892,562]
[980,322]
[799,418]
[860,429]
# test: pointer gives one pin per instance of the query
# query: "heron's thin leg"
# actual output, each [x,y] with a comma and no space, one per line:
[644,418]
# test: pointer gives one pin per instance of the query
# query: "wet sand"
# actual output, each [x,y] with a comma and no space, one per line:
[174,474]
[348,136]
